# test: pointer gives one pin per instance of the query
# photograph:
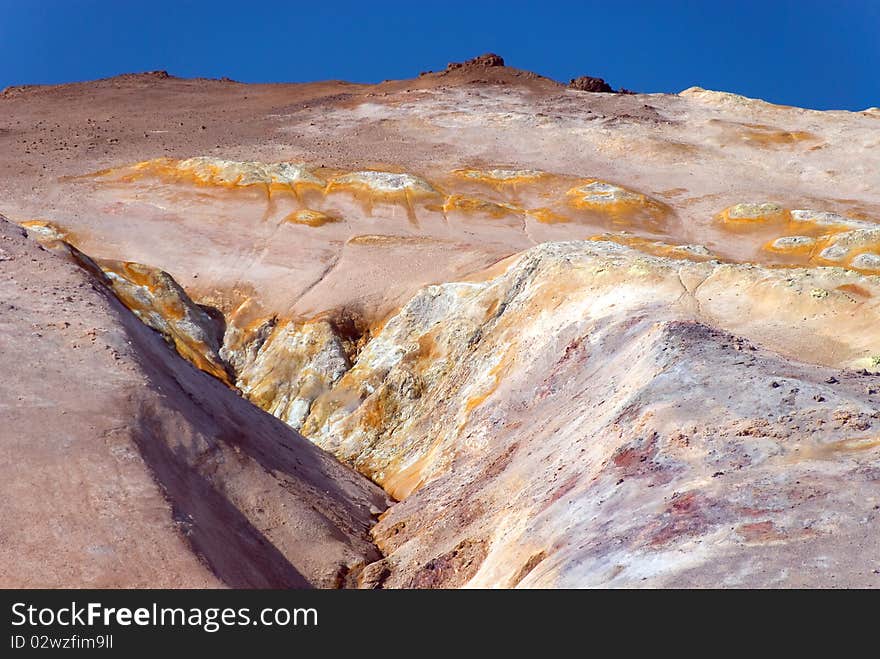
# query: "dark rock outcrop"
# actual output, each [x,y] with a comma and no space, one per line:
[485,60]
[589,84]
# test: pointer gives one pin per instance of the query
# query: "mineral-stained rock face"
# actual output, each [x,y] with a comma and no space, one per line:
[160,303]
[295,364]
[129,467]
[581,339]
[589,373]
[226,173]
[383,182]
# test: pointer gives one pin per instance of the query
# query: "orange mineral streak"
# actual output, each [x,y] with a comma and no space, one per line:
[780,239]
[311,218]
[230,176]
[620,204]
[496,373]
[406,469]
[800,248]
[383,240]
[159,302]
[655,247]
[363,189]
[377,324]
[468,204]
[851,258]
[247,316]
[853,264]
[428,348]
[856,290]
[501,178]
[373,188]
[46,232]
[284,373]
[548,216]
[768,137]
[377,410]
[403,482]
[744,216]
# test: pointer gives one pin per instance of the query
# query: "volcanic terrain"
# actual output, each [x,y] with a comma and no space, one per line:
[474,329]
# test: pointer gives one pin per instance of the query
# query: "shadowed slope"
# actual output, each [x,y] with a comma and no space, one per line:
[123,465]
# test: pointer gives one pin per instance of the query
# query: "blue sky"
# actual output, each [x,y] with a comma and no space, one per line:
[809,53]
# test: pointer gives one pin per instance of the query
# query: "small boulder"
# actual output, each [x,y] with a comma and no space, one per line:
[589,84]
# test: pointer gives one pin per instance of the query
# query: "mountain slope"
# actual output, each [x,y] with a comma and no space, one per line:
[125,466]
[582,339]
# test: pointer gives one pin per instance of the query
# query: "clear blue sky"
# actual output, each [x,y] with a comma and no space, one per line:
[819,54]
